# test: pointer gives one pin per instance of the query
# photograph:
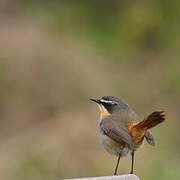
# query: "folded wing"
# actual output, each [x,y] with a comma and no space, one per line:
[117,131]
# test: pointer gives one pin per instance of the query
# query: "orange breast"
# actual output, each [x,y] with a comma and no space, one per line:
[103,112]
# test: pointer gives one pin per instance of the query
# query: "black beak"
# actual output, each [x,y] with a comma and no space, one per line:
[96,100]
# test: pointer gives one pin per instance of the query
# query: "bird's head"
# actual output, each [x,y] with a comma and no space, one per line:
[109,105]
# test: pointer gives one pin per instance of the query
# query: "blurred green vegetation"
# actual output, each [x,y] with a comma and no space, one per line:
[116,28]
[55,55]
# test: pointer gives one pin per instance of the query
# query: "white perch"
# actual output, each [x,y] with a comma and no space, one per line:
[122,177]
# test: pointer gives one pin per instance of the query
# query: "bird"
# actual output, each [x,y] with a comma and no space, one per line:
[121,131]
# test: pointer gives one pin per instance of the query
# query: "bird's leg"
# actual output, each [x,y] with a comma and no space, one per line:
[115,173]
[132,164]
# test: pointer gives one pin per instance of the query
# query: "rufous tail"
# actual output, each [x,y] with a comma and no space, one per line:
[152,120]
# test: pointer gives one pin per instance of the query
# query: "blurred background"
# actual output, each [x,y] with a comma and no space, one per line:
[55,55]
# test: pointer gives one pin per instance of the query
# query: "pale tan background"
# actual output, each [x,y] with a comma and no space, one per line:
[54,56]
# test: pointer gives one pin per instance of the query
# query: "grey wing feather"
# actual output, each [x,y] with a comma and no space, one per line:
[149,138]
[117,132]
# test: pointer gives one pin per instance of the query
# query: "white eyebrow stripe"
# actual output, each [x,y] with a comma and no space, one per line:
[106,101]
